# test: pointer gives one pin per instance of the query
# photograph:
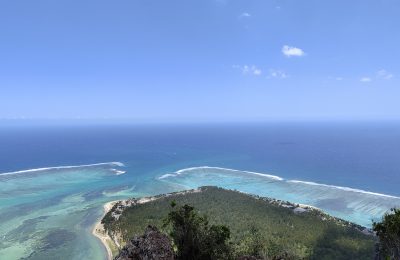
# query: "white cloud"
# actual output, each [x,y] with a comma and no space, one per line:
[365,79]
[277,74]
[339,78]
[244,15]
[289,51]
[383,74]
[248,69]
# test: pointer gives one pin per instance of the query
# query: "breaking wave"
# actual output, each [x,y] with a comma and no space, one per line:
[118,164]
[343,188]
[188,170]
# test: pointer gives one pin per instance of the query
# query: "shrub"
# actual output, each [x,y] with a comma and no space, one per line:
[388,231]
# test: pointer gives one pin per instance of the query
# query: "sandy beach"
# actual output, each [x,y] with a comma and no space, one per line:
[99,232]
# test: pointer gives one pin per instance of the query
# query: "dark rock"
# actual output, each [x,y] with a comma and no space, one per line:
[153,245]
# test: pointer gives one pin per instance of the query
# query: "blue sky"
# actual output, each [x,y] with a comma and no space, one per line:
[205,60]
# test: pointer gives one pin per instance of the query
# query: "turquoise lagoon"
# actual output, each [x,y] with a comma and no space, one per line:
[349,171]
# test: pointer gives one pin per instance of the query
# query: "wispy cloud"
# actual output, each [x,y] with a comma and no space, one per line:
[244,15]
[383,74]
[248,69]
[379,75]
[365,79]
[339,78]
[290,51]
[273,73]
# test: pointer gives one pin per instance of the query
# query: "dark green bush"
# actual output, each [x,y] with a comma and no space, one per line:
[194,237]
[388,231]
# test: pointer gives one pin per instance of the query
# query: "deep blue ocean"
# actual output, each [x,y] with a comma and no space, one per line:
[358,155]
[363,155]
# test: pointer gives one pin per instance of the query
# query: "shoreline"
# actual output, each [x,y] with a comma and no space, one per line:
[99,232]
[98,228]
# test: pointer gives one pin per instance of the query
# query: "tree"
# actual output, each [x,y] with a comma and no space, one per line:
[194,238]
[388,231]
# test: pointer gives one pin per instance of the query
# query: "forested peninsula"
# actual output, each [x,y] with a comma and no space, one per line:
[256,227]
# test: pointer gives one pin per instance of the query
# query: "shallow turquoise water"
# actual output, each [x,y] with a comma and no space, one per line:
[49,214]
[43,213]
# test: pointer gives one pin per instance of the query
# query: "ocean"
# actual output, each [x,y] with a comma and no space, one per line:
[54,179]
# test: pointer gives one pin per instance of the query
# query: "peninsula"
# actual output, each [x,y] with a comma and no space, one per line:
[280,227]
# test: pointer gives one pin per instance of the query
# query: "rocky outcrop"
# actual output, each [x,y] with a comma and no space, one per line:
[153,245]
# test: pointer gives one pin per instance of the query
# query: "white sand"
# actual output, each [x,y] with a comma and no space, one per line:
[100,233]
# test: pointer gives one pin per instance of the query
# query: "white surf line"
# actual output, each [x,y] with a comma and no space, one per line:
[119,164]
[344,188]
[183,171]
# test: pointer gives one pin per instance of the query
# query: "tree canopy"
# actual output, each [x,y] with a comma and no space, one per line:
[194,237]
[388,231]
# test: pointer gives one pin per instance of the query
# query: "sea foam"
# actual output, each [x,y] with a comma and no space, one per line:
[343,188]
[119,164]
[188,170]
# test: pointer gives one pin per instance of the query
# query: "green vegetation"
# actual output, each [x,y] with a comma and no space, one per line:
[388,232]
[257,226]
[193,236]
